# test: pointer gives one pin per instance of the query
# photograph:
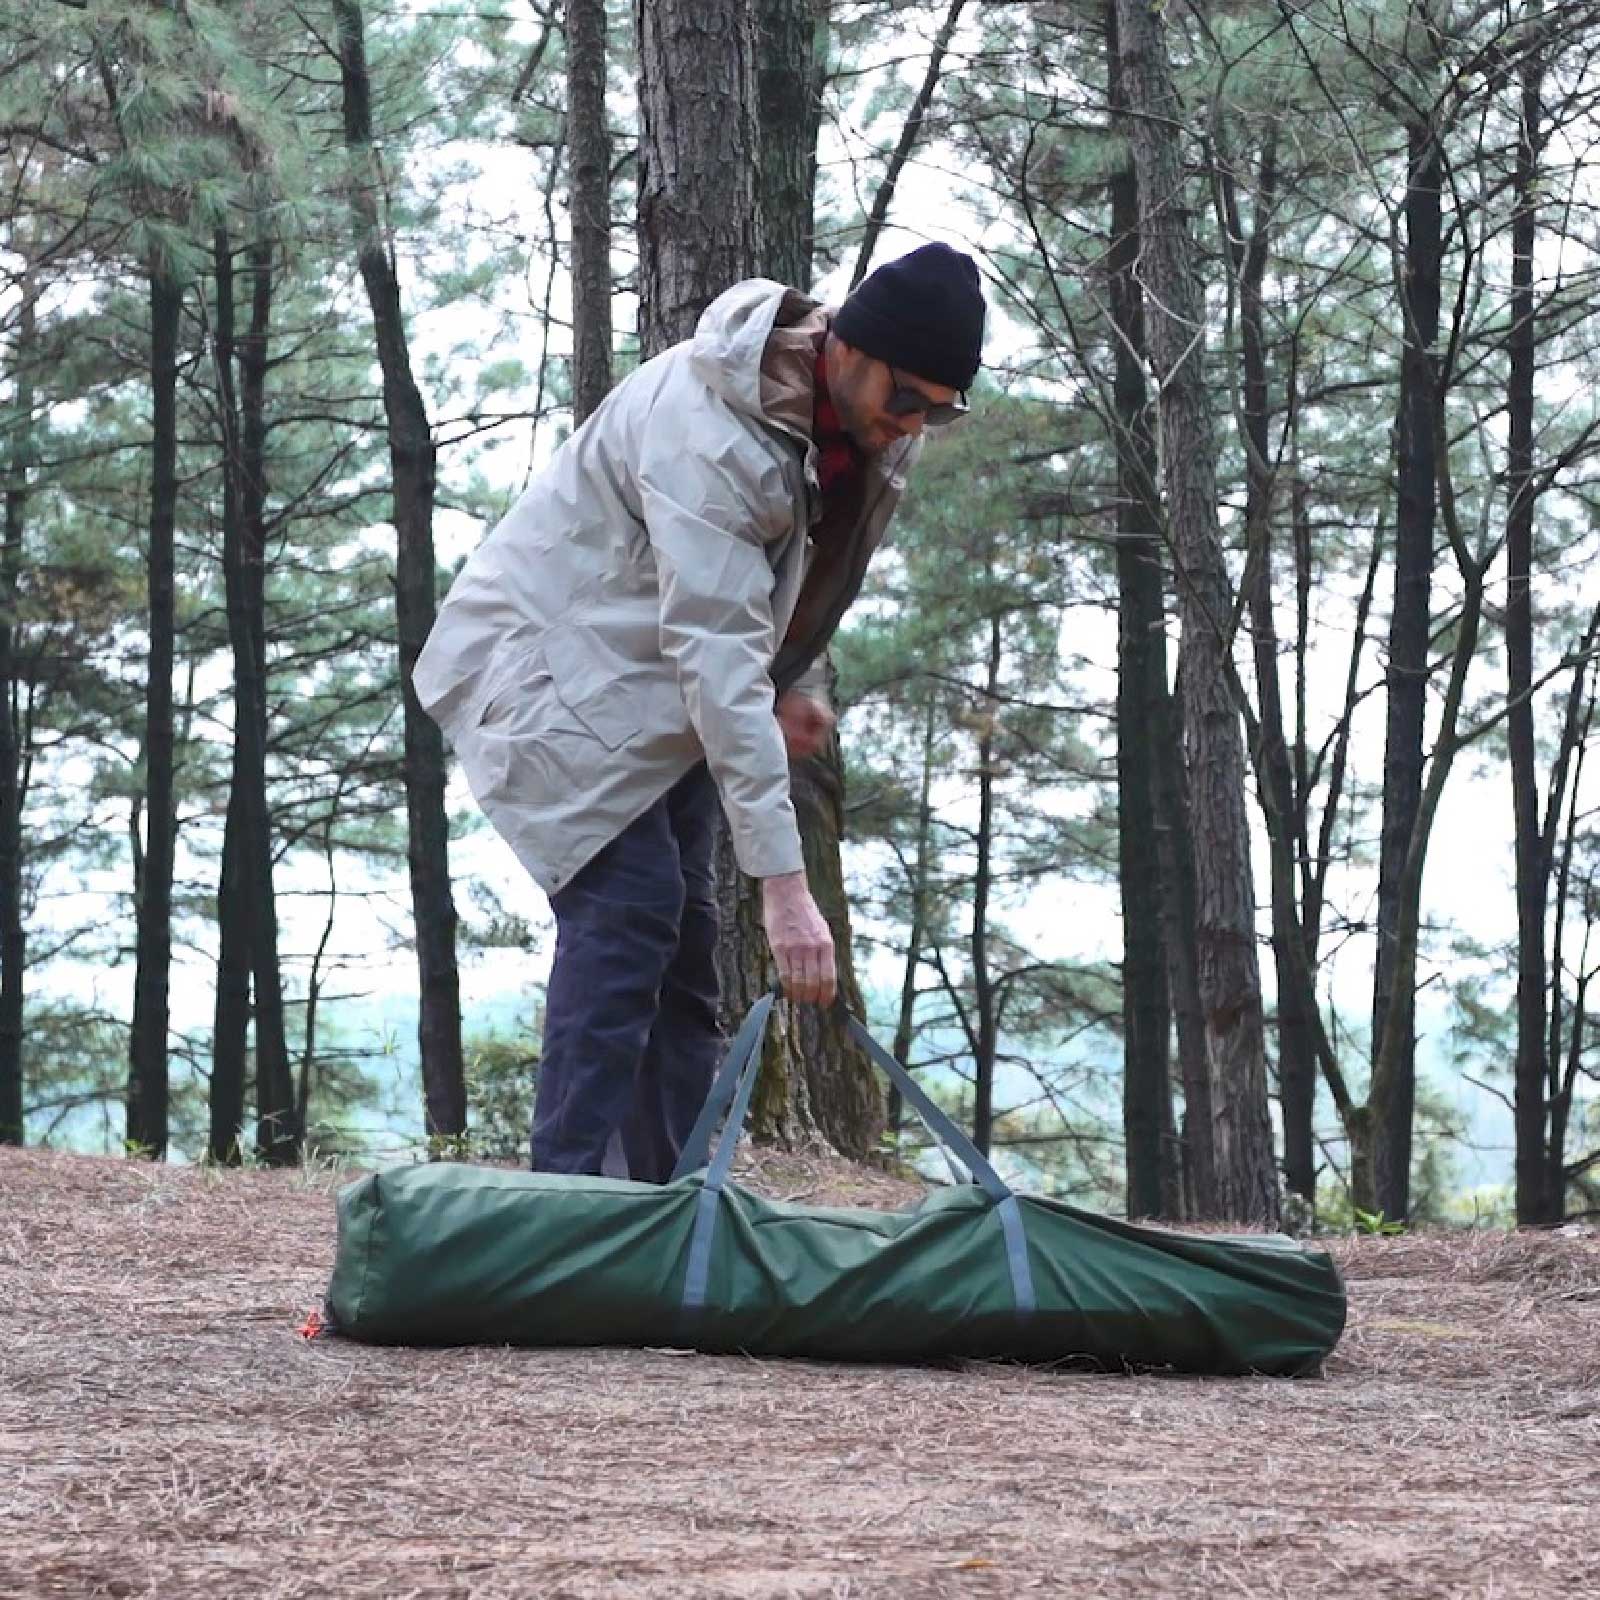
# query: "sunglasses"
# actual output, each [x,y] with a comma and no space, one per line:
[906,401]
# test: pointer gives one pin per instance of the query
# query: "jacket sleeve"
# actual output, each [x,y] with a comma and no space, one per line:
[713,503]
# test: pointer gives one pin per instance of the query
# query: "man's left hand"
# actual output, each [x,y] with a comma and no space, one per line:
[806,723]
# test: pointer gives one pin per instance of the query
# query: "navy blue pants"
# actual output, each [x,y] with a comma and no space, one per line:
[631,1039]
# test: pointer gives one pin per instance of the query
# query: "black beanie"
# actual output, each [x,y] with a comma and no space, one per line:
[923,313]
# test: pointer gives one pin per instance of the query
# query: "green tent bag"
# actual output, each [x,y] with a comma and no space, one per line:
[452,1254]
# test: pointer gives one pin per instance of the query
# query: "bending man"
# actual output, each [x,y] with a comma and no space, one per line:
[642,635]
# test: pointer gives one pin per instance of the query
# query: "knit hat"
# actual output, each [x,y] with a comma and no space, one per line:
[922,313]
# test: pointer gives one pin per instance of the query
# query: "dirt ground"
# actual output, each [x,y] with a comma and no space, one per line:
[165,1432]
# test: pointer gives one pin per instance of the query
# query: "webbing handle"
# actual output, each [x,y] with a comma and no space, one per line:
[734,1084]
[745,1043]
[944,1131]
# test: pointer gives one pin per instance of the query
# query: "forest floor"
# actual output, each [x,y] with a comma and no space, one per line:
[165,1432]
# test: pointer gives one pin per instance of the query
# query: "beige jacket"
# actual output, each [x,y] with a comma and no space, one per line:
[622,621]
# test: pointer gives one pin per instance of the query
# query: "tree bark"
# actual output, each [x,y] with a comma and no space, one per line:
[278,1138]
[905,1022]
[412,461]
[1230,985]
[230,1025]
[1564,1067]
[13,931]
[983,988]
[1180,901]
[1534,1200]
[699,160]
[699,231]
[1389,1131]
[589,159]
[1297,1065]
[147,1067]
[788,35]
[1144,724]
[845,1104]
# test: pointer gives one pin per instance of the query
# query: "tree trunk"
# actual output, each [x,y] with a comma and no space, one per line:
[278,1139]
[1297,1055]
[699,231]
[13,932]
[1535,1203]
[1180,899]
[411,456]
[699,160]
[1565,1066]
[1297,1067]
[1154,1177]
[230,1029]
[1230,985]
[846,1104]
[147,1065]
[905,1022]
[845,1101]
[786,73]
[983,992]
[589,159]
[1407,675]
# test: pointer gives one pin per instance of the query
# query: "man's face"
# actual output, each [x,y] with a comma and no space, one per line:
[863,389]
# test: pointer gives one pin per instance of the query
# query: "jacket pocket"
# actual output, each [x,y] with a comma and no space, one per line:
[518,706]
[587,683]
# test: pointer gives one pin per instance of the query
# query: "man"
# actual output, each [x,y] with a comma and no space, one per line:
[642,634]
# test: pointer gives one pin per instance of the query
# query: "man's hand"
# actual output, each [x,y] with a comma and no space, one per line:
[801,943]
[806,723]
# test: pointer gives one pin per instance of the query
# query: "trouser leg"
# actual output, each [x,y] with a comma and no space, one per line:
[617,933]
[686,1042]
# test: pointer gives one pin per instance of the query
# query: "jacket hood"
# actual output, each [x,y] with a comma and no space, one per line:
[731,338]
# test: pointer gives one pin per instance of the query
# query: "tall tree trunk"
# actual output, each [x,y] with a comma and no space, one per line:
[411,457]
[1296,1042]
[1180,913]
[1535,1202]
[230,1027]
[589,158]
[983,992]
[1297,1066]
[787,63]
[1564,1067]
[13,932]
[1144,724]
[699,161]
[1381,1169]
[278,1139]
[1230,983]
[905,1023]
[845,1102]
[147,1064]
[699,231]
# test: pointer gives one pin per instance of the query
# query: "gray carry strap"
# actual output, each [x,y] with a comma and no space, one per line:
[747,1044]
[938,1124]
[698,1271]
[966,1152]
[747,1041]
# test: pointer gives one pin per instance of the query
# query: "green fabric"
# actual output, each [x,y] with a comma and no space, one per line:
[449,1254]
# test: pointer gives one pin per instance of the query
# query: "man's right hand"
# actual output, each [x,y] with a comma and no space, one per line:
[801,943]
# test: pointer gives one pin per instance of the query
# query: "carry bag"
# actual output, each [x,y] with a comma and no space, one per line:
[455,1254]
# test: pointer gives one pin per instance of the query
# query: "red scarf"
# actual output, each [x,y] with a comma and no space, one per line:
[838,459]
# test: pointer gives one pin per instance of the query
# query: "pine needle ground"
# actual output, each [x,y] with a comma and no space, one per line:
[165,1432]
